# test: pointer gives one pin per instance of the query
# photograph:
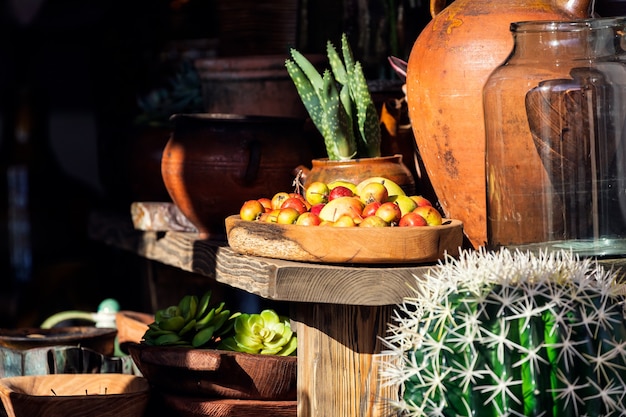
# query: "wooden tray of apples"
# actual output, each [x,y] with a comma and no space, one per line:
[326,239]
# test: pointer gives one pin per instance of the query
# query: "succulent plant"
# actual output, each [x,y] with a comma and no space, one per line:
[190,323]
[338,102]
[264,333]
[182,94]
[511,334]
[195,323]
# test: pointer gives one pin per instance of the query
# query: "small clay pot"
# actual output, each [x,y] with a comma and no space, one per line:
[213,163]
[357,170]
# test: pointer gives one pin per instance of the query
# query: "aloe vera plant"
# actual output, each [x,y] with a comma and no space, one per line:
[339,102]
[511,334]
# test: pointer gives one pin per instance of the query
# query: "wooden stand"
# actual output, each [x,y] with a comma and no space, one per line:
[339,312]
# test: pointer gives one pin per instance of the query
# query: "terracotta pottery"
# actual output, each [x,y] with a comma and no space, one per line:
[256,85]
[357,170]
[212,163]
[449,64]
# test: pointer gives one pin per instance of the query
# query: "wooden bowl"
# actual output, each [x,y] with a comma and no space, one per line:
[224,407]
[99,339]
[132,325]
[102,395]
[376,245]
[61,360]
[216,373]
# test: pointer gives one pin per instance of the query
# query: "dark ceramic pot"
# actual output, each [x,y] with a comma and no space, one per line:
[213,163]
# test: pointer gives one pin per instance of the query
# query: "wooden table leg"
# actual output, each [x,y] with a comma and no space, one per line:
[338,360]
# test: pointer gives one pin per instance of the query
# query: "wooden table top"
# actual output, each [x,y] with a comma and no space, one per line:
[274,279]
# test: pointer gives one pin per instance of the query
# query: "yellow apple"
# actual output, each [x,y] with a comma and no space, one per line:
[430,214]
[392,187]
[352,206]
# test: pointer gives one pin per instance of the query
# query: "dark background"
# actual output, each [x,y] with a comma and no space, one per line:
[78,67]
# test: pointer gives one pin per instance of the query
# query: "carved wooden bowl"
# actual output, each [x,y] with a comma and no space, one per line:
[374,245]
[210,373]
[76,395]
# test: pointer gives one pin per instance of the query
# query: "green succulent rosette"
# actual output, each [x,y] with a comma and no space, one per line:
[266,333]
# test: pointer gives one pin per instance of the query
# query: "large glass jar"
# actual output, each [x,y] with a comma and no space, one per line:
[555,115]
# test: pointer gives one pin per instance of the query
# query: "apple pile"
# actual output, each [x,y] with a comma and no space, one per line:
[374,202]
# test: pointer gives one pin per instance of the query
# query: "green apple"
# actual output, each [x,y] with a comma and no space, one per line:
[287,215]
[317,192]
[406,203]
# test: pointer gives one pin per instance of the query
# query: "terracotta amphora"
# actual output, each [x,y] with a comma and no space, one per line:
[449,64]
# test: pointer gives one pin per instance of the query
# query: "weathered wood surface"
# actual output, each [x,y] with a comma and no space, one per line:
[275,279]
[339,361]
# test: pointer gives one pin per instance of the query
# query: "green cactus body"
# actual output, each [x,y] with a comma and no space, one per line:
[512,334]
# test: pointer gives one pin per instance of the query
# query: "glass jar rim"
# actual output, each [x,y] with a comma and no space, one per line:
[532,26]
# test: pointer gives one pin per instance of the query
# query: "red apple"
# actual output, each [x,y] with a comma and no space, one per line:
[420,200]
[267,203]
[317,192]
[296,203]
[370,209]
[432,216]
[308,219]
[251,210]
[389,212]
[340,191]
[316,208]
[412,219]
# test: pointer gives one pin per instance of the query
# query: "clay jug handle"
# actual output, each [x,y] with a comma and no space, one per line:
[254,161]
[576,8]
[437,6]
[301,173]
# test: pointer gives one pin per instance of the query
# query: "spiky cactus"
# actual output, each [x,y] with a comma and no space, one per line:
[338,102]
[511,334]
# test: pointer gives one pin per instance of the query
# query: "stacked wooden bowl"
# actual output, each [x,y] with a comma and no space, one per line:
[209,382]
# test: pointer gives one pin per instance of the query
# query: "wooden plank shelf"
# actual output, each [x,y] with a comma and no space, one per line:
[274,279]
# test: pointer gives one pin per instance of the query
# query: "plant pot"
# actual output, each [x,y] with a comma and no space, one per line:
[212,163]
[357,170]
[257,85]
[212,373]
